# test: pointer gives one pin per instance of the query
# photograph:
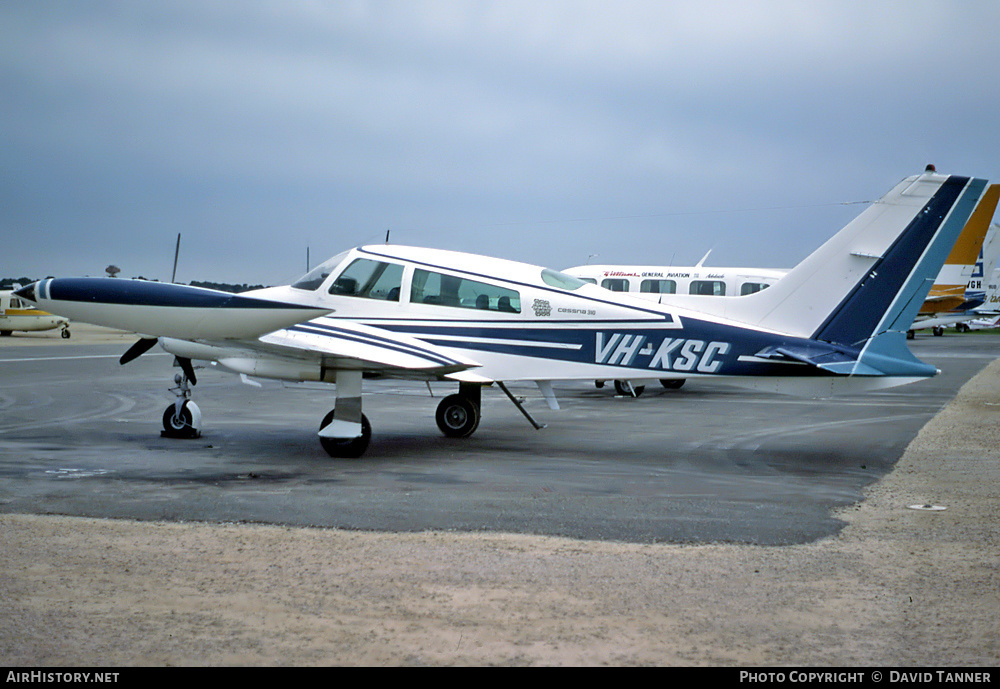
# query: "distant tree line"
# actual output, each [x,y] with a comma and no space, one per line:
[8,283]
[225,286]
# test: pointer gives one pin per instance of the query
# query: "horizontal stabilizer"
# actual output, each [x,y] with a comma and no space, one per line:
[847,361]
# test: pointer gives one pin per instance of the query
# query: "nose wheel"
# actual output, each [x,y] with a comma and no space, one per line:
[182,423]
[182,419]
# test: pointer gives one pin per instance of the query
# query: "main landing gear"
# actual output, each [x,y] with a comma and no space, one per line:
[346,432]
[458,415]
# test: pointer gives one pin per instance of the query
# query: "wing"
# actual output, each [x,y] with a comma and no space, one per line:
[344,345]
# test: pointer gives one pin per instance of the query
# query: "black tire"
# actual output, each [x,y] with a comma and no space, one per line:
[346,448]
[65,334]
[457,416]
[622,390]
[179,426]
[938,331]
[672,383]
[962,327]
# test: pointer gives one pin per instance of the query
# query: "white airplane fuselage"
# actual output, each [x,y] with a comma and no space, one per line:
[835,323]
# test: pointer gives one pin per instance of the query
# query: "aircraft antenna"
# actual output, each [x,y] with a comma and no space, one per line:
[387,236]
[177,251]
[307,259]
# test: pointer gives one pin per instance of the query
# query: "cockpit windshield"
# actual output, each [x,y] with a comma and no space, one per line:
[315,277]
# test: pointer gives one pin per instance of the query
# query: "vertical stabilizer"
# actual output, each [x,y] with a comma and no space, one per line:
[871,276]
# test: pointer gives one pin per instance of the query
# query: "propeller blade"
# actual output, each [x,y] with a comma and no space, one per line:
[188,369]
[137,350]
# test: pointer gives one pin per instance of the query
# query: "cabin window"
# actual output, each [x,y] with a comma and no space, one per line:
[615,284]
[658,286]
[370,280]
[713,288]
[751,287]
[459,292]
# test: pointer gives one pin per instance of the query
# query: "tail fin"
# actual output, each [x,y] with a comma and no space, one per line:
[859,293]
[890,293]
[871,276]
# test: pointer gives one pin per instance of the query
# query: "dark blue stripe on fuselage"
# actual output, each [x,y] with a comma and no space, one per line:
[740,341]
[147,293]
[859,314]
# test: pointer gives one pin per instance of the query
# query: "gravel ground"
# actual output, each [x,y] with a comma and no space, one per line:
[897,586]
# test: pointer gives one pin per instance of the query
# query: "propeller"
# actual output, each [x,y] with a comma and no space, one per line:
[137,350]
[188,369]
[144,345]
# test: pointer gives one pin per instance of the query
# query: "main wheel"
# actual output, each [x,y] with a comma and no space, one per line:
[622,389]
[672,383]
[179,425]
[346,447]
[457,416]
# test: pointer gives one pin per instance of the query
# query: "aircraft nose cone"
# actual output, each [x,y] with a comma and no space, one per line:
[27,292]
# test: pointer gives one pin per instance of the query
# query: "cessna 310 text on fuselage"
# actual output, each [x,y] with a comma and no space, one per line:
[836,323]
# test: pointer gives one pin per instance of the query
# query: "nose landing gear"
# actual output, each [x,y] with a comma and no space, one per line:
[182,419]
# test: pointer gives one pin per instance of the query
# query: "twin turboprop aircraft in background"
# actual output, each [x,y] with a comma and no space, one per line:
[836,323]
[20,316]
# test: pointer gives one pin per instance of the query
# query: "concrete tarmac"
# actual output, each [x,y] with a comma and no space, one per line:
[908,578]
[709,463]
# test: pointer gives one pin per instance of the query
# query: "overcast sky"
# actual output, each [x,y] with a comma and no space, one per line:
[547,132]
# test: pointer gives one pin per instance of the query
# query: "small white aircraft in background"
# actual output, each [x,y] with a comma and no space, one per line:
[22,316]
[988,314]
[836,323]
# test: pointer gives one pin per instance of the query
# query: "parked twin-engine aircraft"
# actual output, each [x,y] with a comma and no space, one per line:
[21,316]
[836,323]
[650,281]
